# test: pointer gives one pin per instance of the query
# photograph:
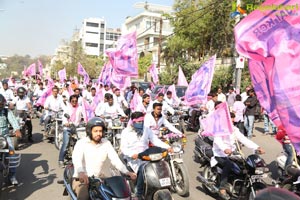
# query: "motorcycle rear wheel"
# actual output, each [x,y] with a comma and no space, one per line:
[182,183]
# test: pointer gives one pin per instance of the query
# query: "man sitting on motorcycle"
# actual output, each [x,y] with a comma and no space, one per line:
[144,106]
[89,156]
[155,120]
[134,140]
[76,113]
[110,108]
[23,105]
[6,117]
[224,146]
[7,93]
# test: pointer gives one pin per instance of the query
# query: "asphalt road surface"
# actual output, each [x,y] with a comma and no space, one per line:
[39,171]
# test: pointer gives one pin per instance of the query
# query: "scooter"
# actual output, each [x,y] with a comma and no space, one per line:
[111,188]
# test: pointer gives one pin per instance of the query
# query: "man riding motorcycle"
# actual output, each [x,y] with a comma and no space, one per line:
[76,113]
[110,108]
[155,120]
[6,116]
[223,146]
[134,140]
[23,105]
[89,155]
[7,92]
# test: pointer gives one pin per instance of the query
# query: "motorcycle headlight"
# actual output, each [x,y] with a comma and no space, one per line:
[117,123]
[176,146]
[175,119]
[3,143]
[260,170]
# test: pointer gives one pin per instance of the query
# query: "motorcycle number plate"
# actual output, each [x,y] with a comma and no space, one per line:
[165,182]
[255,177]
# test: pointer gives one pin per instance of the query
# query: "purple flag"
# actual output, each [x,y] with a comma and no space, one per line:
[82,72]
[200,84]
[40,66]
[218,123]
[88,111]
[271,39]
[181,78]
[62,75]
[30,71]
[120,81]
[44,96]
[124,58]
[154,73]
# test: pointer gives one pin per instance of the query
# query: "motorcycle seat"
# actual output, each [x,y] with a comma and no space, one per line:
[116,184]
[292,171]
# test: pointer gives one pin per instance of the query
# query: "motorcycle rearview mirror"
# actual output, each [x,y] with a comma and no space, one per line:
[66,115]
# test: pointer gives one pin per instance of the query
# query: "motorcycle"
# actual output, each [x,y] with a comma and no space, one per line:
[115,187]
[54,127]
[180,179]
[157,174]
[244,181]
[7,162]
[203,150]
[22,117]
[115,125]
[291,182]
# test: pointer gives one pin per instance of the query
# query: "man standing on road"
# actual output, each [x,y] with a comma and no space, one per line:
[251,103]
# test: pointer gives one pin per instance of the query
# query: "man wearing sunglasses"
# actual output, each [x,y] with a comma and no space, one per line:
[76,113]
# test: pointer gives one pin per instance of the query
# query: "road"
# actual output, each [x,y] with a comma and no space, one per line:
[39,171]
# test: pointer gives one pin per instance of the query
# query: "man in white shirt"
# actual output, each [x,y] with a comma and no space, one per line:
[23,105]
[210,105]
[120,99]
[168,99]
[144,107]
[76,113]
[155,120]
[221,96]
[134,140]
[86,94]
[223,146]
[165,107]
[52,103]
[109,108]
[7,92]
[89,156]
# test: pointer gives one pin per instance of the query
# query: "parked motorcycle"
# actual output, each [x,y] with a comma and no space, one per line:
[244,181]
[180,179]
[7,162]
[115,187]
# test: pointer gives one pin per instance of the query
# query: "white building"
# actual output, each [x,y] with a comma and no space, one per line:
[147,27]
[96,37]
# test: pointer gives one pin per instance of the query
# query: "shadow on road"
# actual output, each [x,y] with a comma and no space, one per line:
[29,166]
[260,129]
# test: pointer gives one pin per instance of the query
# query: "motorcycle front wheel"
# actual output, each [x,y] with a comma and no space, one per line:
[182,183]
[164,194]
[256,187]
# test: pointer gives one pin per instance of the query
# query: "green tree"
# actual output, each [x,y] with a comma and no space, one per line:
[144,62]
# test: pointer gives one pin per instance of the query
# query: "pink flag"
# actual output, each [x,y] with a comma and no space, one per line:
[174,95]
[161,90]
[181,78]
[82,72]
[218,123]
[271,40]
[154,73]
[30,71]
[62,74]
[120,81]
[134,101]
[40,66]
[124,58]
[50,82]
[88,111]
[200,84]
[70,91]
[106,74]
[44,96]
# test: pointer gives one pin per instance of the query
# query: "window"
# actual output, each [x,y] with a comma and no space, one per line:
[91,44]
[102,25]
[101,47]
[91,32]
[92,24]
[101,36]
[148,24]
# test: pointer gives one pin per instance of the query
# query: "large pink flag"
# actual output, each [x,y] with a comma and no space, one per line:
[62,74]
[30,71]
[218,123]
[40,66]
[271,39]
[44,96]
[120,81]
[181,78]
[88,111]
[134,101]
[124,58]
[154,73]
[200,84]
[82,72]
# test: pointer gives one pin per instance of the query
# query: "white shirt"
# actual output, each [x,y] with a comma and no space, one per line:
[221,97]
[108,110]
[170,102]
[21,104]
[132,144]
[165,107]
[78,115]
[228,142]
[149,122]
[244,96]
[210,106]
[53,103]
[89,157]
[8,94]
[39,92]
[121,101]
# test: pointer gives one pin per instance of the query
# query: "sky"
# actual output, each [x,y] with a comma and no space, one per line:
[37,27]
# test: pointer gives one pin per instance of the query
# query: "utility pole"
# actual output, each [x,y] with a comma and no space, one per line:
[238,71]
[159,42]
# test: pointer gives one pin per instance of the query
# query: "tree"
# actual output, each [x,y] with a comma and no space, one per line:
[144,63]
